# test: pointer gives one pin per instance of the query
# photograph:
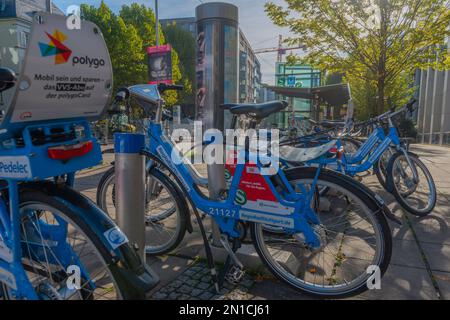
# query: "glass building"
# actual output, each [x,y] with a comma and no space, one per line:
[296,76]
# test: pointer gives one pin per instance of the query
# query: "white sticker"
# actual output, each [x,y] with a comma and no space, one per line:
[15,167]
[8,278]
[115,237]
[266,218]
[268,206]
[5,251]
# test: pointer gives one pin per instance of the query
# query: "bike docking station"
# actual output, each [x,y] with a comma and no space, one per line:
[45,138]
[217,78]
[129,170]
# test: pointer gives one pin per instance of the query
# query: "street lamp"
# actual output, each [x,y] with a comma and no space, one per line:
[156,23]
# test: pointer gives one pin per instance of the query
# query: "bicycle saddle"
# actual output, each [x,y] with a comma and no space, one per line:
[293,154]
[256,110]
[7,79]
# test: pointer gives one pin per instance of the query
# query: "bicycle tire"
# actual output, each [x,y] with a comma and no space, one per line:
[171,188]
[357,189]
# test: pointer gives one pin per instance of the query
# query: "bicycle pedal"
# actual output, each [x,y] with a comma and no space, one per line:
[234,275]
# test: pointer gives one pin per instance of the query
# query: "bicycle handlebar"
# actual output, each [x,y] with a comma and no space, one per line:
[390,113]
[162,87]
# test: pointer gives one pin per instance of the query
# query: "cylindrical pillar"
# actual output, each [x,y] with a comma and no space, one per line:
[130,187]
[217,76]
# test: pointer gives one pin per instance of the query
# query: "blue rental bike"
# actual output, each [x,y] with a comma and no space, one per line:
[325,251]
[402,173]
[55,243]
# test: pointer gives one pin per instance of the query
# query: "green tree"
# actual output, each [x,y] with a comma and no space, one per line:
[377,44]
[184,44]
[127,36]
[143,19]
[123,42]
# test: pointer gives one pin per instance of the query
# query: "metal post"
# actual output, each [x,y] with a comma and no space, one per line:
[156,23]
[130,187]
[217,77]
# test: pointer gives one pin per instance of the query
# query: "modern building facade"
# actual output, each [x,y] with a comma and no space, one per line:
[296,76]
[187,24]
[15,27]
[15,24]
[249,65]
[249,71]
[433,115]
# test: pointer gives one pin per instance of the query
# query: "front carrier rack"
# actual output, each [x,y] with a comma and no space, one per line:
[49,149]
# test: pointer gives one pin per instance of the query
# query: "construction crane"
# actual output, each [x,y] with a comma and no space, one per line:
[281,51]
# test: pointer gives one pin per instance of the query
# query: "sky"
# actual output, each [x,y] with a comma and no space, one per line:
[257,27]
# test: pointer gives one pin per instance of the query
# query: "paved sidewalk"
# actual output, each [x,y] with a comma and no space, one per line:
[419,269]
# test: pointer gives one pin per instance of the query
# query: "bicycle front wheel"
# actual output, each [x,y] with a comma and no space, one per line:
[354,237]
[415,196]
[62,257]
[166,215]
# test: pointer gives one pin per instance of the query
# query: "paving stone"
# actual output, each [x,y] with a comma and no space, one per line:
[173,296]
[185,289]
[196,292]
[204,271]
[197,276]
[175,284]
[189,272]
[197,268]
[203,285]
[183,278]
[166,289]
[192,282]
[159,296]
[206,296]
[184,297]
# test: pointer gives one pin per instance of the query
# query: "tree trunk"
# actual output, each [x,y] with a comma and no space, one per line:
[380,100]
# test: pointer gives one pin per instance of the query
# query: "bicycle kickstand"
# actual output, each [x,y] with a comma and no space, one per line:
[233,269]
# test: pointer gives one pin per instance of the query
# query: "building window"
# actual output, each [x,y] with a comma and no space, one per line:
[23,39]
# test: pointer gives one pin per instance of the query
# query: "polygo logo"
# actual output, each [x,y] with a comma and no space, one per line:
[55,47]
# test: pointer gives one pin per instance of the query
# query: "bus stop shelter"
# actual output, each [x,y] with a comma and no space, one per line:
[335,95]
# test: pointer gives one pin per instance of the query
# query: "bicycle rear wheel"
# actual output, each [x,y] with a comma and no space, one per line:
[354,236]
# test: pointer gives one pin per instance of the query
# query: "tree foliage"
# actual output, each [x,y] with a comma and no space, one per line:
[377,44]
[127,36]
[184,44]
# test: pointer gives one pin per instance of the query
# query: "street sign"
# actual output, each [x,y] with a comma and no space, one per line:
[291,81]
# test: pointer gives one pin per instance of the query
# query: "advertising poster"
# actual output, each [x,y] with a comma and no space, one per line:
[66,74]
[160,64]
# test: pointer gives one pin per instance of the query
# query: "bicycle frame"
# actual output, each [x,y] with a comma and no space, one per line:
[371,150]
[293,212]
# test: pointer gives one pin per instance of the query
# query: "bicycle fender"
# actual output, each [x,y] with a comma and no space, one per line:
[124,261]
[378,201]
[389,182]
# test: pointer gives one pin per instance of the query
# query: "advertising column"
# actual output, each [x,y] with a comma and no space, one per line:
[217,74]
